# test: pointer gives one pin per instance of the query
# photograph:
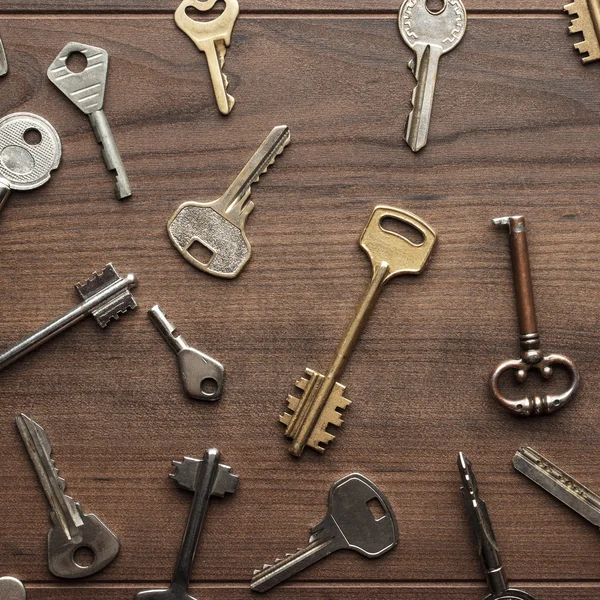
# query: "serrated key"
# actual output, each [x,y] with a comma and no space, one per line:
[587,22]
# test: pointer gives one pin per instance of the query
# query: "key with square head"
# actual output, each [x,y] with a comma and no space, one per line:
[391,255]
[86,90]
[72,529]
[212,37]
[219,226]
[586,22]
[105,296]
[484,537]
[206,478]
[11,589]
[30,150]
[430,35]
[349,525]
[3,61]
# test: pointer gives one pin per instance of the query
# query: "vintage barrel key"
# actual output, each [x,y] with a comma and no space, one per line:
[531,355]
[391,255]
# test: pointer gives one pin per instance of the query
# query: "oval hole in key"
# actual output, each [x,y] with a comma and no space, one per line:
[435,6]
[209,386]
[376,509]
[403,230]
[84,557]
[205,15]
[76,62]
[32,136]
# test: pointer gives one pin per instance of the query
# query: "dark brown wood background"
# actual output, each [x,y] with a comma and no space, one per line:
[515,130]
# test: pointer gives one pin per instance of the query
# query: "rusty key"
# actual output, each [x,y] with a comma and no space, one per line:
[531,355]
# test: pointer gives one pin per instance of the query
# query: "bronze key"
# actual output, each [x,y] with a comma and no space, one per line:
[391,255]
[531,355]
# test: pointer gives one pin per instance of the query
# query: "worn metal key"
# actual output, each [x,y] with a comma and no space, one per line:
[484,537]
[72,529]
[587,22]
[11,589]
[206,478]
[350,524]
[531,355]
[430,35]
[391,255]
[86,91]
[3,61]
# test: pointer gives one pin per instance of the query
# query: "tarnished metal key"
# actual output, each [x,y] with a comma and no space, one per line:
[11,589]
[430,35]
[3,61]
[105,297]
[86,91]
[531,355]
[202,375]
[212,37]
[219,226]
[206,478]
[587,22]
[391,255]
[485,539]
[71,528]
[350,524]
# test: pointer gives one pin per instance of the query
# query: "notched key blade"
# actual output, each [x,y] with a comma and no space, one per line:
[225,482]
[3,60]
[186,472]
[587,22]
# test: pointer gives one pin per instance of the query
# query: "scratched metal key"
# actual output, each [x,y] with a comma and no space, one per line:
[212,37]
[72,529]
[30,150]
[86,90]
[219,226]
[3,61]
[586,22]
[206,478]
[349,525]
[485,539]
[430,35]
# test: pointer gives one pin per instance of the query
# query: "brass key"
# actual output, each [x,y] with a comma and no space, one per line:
[391,255]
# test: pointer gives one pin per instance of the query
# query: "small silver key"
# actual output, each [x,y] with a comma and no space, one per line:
[105,296]
[485,539]
[349,524]
[3,61]
[206,478]
[430,35]
[202,375]
[86,90]
[30,150]
[71,528]
[11,589]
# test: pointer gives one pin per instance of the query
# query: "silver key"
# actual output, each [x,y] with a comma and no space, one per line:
[202,375]
[71,528]
[206,478]
[86,90]
[105,296]
[430,35]
[485,539]
[349,524]
[26,162]
[3,61]
[11,589]
[558,483]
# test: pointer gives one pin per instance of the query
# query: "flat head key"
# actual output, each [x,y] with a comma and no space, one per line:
[586,22]
[11,589]
[350,524]
[430,35]
[211,37]
[391,255]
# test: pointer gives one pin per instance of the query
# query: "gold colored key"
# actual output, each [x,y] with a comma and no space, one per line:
[391,255]
[586,21]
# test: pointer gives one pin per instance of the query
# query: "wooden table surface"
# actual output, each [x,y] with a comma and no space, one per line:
[515,130]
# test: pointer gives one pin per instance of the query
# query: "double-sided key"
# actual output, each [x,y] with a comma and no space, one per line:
[586,22]
[86,90]
[206,478]
[391,255]
[219,226]
[430,35]
[350,524]
[485,539]
[3,61]
[11,589]
[71,528]
[202,375]
[105,296]
[211,37]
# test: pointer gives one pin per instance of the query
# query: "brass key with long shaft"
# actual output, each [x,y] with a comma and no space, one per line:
[391,255]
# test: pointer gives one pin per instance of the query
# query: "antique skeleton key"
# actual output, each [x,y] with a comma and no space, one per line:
[587,22]
[531,355]
[391,255]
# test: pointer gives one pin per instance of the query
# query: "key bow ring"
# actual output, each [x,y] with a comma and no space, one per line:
[220,26]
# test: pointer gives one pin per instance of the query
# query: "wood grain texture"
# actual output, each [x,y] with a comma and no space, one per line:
[515,130]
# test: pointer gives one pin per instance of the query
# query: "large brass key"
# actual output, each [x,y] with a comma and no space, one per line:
[391,255]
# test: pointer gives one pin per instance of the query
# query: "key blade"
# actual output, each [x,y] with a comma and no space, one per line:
[3,60]
[587,23]
[186,473]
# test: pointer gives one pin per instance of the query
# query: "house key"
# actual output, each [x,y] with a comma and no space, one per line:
[531,355]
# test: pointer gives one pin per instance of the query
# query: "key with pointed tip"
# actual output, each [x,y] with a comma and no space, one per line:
[485,539]
[105,295]
[350,524]
[219,226]
[3,61]
[202,375]
[86,90]
[11,589]
[206,478]
[430,35]
[71,527]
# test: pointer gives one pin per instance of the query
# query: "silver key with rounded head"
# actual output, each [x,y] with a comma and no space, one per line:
[30,150]
[11,589]
[430,35]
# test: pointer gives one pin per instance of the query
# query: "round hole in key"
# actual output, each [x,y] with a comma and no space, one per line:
[205,15]
[84,557]
[435,6]
[32,136]
[76,62]
[209,386]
